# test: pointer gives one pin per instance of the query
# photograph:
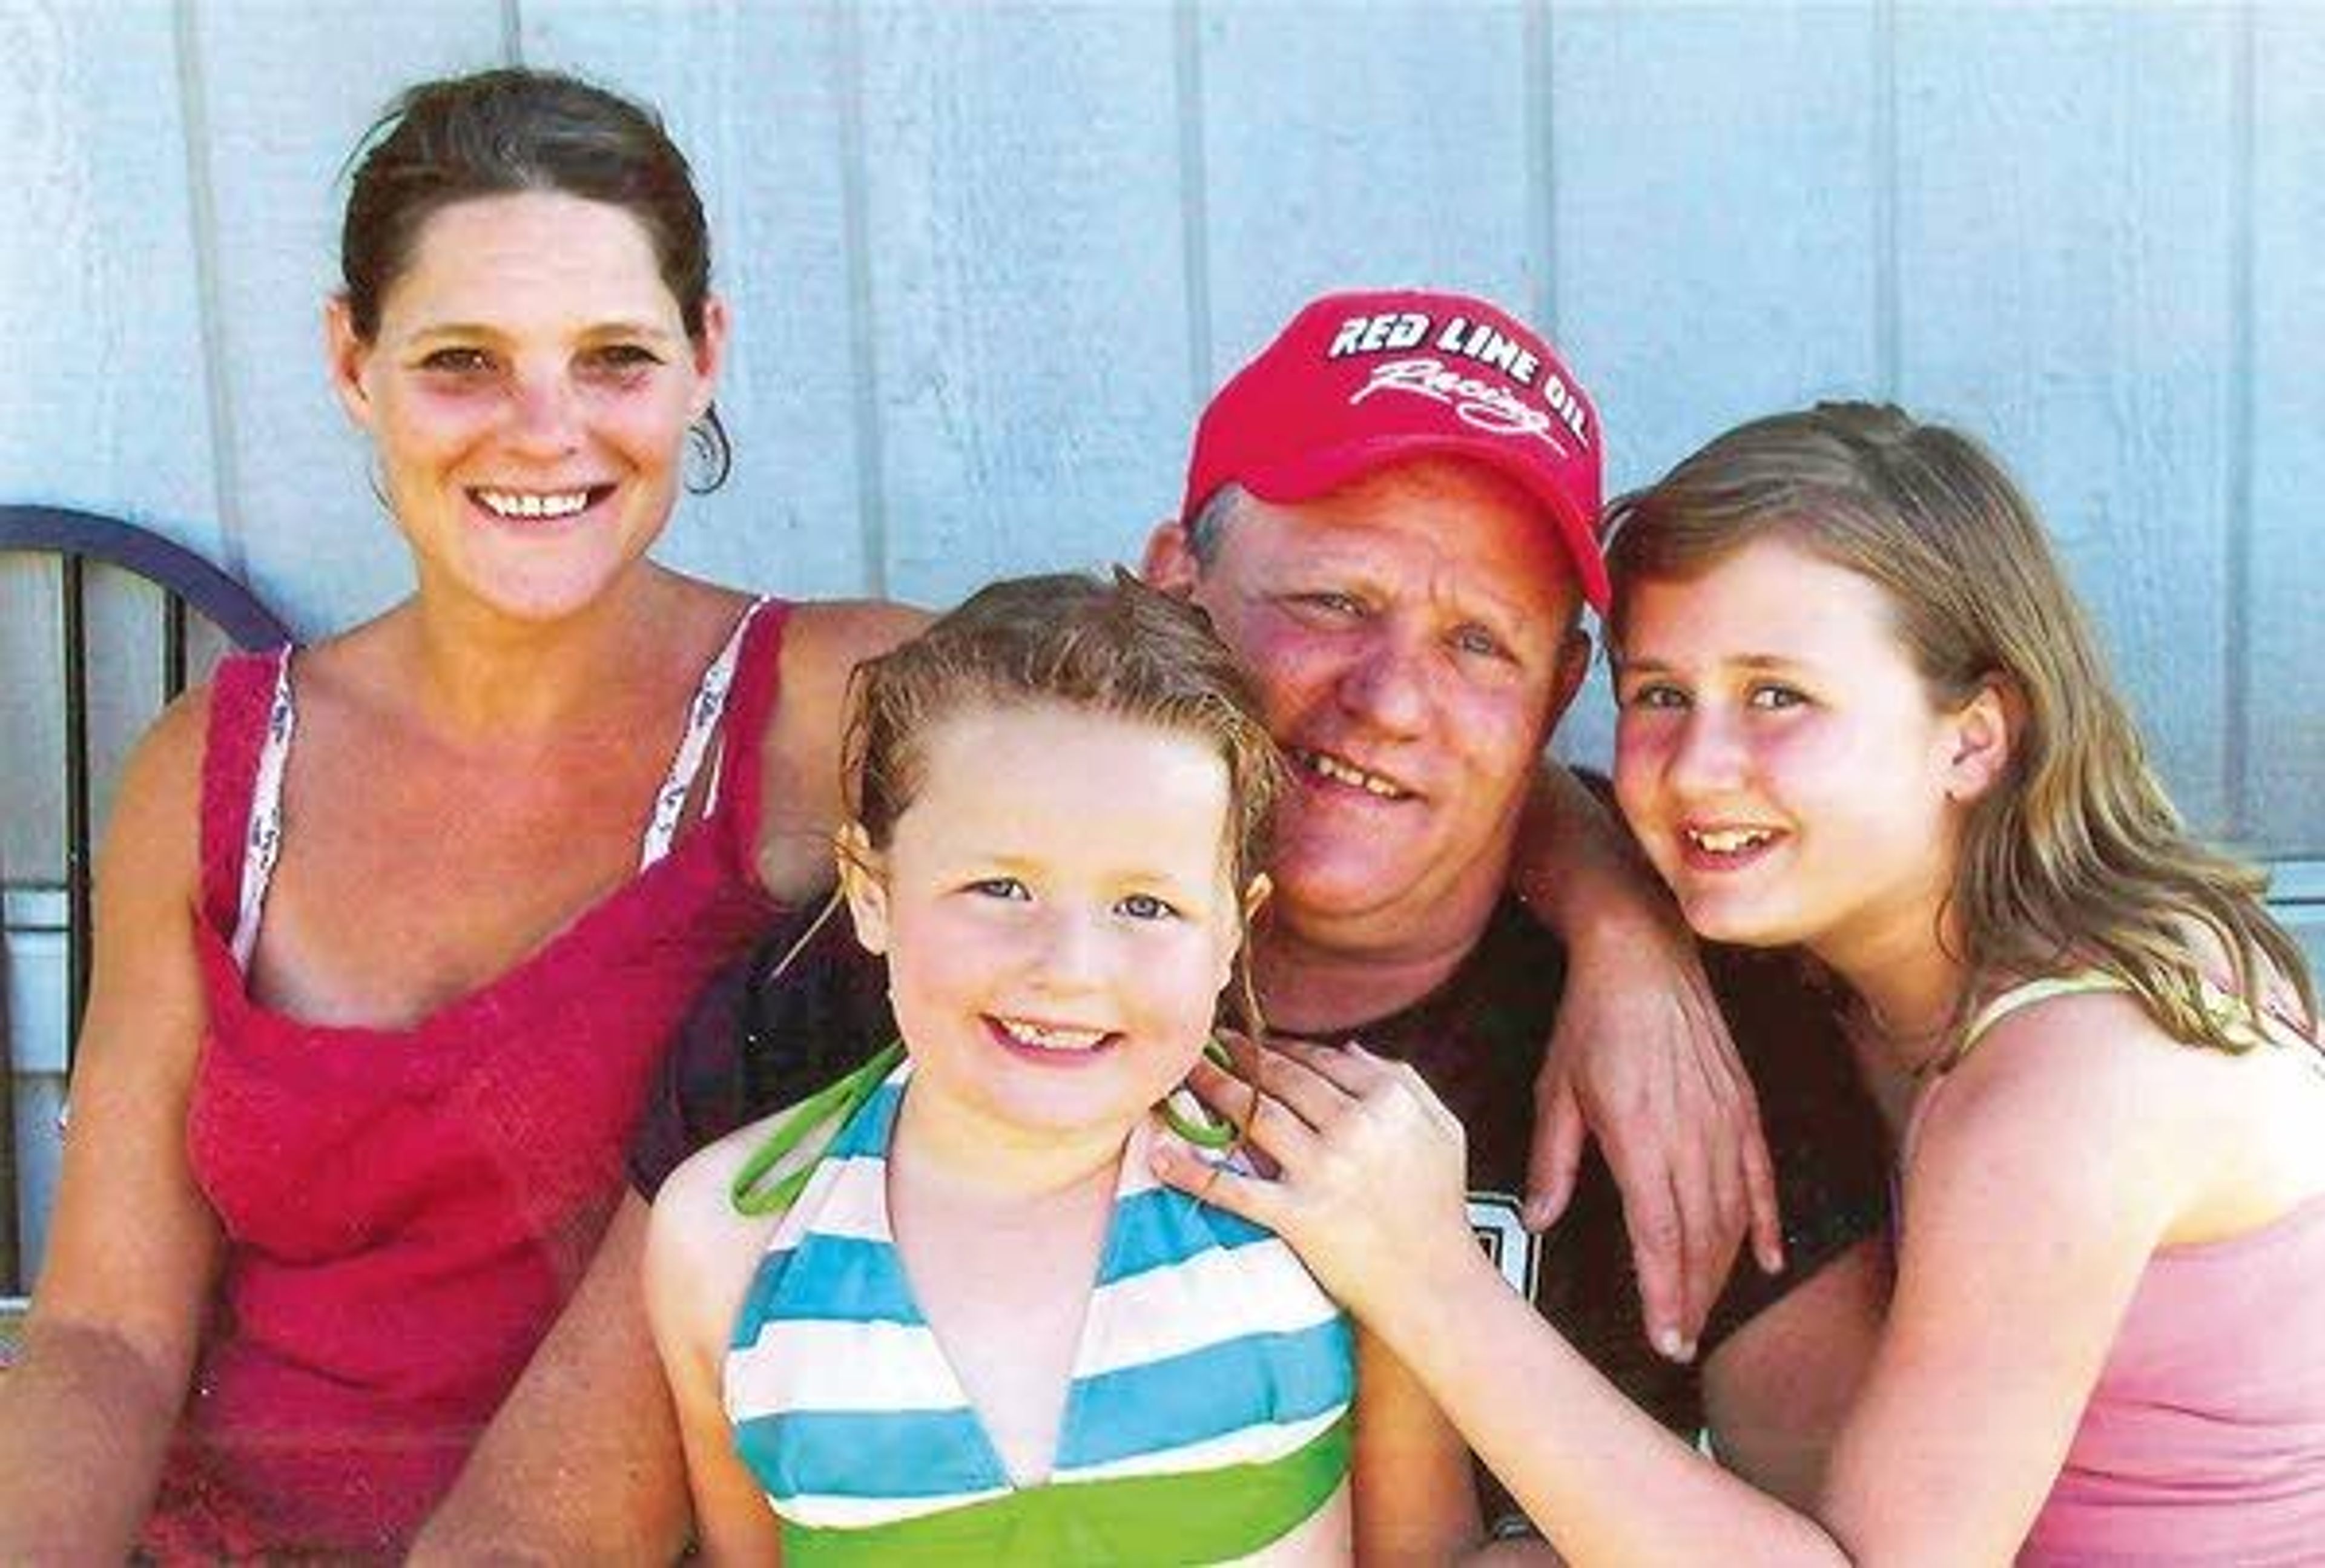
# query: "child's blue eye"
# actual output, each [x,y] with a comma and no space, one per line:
[1000,887]
[1774,696]
[1145,906]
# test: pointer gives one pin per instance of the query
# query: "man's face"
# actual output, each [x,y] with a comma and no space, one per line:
[1410,635]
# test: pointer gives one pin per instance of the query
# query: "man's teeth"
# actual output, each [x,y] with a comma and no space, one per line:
[1045,1037]
[530,504]
[1729,840]
[1338,772]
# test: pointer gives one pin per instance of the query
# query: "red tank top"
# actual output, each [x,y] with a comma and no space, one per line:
[405,1210]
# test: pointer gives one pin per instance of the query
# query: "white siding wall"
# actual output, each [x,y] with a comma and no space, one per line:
[984,261]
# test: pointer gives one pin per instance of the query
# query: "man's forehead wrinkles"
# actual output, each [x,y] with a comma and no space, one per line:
[1461,577]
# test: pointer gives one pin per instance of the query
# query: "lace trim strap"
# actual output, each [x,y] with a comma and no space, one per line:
[701,725]
[263,839]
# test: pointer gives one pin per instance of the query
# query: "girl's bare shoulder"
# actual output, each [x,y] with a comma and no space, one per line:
[2088,1093]
[2059,1092]
[697,1206]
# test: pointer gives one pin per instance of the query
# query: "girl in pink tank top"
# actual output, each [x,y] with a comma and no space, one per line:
[1861,713]
[393,931]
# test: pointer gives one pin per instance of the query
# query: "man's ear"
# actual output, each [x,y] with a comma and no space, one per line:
[862,873]
[1983,735]
[1170,562]
[1573,665]
[345,355]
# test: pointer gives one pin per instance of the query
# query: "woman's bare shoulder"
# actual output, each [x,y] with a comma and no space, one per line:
[2095,1050]
[800,771]
[824,639]
[156,823]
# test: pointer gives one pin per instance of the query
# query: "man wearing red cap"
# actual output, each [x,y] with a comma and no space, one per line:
[1389,514]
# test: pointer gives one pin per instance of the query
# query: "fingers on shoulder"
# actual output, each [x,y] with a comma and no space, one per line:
[1322,1085]
[1407,1093]
[1215,1182]
[1392,1105]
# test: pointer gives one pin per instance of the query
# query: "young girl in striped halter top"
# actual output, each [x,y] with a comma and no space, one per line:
[943,1311]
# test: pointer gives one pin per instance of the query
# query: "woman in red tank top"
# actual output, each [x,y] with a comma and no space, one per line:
[393,925]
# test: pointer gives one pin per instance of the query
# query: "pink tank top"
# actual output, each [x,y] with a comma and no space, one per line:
[405,1210]
[2203,1442]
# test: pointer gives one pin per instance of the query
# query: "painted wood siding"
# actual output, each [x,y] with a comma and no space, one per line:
[984,261]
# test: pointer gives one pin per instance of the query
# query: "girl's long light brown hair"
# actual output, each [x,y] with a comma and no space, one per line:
[2076,857]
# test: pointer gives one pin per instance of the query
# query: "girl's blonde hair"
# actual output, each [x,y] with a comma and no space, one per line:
[2075,858]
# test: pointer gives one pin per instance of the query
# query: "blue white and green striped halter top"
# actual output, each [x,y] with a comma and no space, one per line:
[1208,1414]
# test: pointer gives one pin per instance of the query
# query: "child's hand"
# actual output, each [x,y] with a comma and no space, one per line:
[1370,1167]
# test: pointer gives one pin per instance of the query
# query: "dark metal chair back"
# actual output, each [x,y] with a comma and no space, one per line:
[188,584]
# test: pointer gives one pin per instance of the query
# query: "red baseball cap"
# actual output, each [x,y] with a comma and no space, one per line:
[1359,381]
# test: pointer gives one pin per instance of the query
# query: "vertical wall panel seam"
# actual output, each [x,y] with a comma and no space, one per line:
[864,359]
[2236,748]
[1542,165]
[1194,180]
[1887,371]
[216,337]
